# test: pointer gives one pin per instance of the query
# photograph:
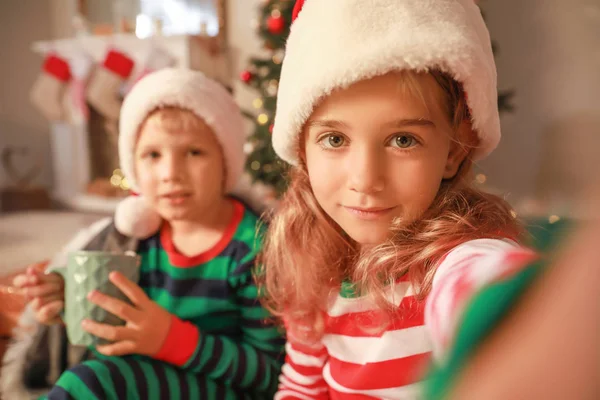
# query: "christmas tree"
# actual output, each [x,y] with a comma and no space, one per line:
[273,26]
[263,74]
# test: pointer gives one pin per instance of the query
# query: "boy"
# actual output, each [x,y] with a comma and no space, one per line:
[195,327]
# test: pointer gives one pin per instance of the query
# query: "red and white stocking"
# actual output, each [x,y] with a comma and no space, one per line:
[103,90]
[49,88]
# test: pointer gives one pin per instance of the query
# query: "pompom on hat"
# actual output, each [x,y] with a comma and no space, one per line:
[335,43]
[188,90]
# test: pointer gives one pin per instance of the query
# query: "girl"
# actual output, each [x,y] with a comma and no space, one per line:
[383,107]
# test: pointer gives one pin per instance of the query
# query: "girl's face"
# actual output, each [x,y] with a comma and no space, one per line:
[180,171]
[376,152]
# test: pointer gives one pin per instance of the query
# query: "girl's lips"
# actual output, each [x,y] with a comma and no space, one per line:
[369,213]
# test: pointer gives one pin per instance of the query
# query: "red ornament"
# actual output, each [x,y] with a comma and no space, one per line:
[276,24]
[246,76]
[271,128]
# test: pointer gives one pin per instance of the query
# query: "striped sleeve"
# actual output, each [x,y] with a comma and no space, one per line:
[302,374]
[251,362]
[460,276]
[480,317]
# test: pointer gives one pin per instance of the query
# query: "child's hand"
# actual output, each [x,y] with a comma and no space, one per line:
[147,323]
[45,292]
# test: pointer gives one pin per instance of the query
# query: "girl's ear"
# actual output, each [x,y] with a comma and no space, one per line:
[460,146]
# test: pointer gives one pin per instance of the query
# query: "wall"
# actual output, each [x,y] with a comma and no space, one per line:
[549,53]
[21,23]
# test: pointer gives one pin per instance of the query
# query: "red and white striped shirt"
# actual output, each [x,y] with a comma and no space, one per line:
[357,360]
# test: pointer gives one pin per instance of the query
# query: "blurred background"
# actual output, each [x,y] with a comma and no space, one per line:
[66,65]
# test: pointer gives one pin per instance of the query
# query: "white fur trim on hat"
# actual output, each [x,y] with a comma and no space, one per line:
[335,43]
[136,218]
[190,90]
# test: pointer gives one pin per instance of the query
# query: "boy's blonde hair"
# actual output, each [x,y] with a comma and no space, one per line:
[175,119]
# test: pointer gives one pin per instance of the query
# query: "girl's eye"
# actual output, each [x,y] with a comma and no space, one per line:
[332,141]
[153,154]
[194,152]
[403,141]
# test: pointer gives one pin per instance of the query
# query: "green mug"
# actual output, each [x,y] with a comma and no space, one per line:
[87,271]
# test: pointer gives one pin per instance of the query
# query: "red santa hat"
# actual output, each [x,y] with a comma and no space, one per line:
[335,43]
[189,90]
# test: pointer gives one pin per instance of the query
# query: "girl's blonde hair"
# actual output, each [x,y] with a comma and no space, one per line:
[306,255]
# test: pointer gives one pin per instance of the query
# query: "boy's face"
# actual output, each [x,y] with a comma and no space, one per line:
[375,153]
[180,172]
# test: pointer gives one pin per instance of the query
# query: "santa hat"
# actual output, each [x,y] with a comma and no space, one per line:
[335,43]
[189,90]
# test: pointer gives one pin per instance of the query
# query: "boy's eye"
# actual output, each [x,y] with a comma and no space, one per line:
[332,141]
[153,154]
[403,141]
[195,152]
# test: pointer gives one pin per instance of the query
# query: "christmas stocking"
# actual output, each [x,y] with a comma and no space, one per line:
[103,90]
[48,90]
